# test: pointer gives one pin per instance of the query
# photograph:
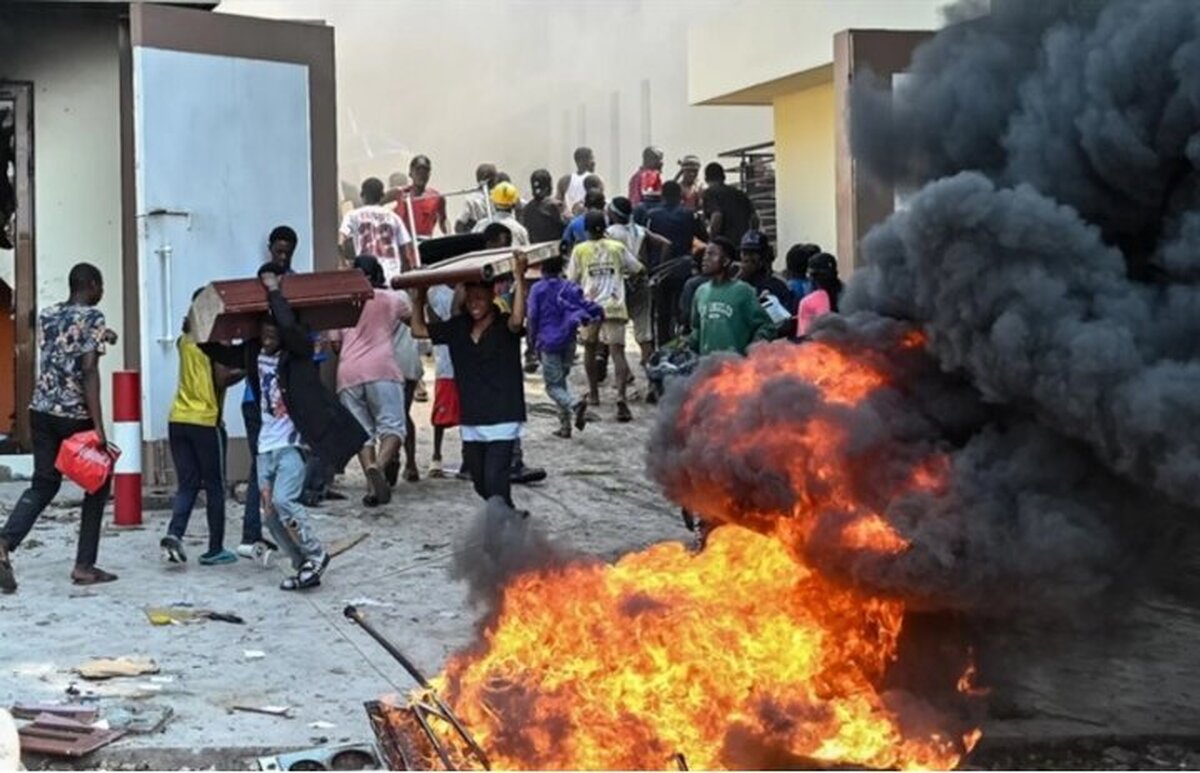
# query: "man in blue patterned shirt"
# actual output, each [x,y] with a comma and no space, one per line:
[66,401]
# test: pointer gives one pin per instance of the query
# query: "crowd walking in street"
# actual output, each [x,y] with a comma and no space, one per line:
[676,269]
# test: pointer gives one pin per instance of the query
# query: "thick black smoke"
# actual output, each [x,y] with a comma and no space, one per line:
[1055,261]
[1049,256]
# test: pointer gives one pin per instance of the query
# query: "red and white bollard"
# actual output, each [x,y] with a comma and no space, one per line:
[127,435]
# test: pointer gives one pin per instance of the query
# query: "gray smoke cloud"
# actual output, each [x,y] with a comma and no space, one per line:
[498,544]
[1049,256]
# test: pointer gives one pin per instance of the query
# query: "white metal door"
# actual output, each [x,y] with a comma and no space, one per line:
[222,147]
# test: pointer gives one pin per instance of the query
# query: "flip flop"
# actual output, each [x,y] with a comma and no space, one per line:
[94,576]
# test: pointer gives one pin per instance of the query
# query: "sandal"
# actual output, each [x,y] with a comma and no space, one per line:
[309,576]
[91,575]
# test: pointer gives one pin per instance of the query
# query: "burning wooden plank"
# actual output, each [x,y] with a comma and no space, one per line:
[232,310]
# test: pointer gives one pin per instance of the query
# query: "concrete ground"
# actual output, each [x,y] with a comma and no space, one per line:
[597,498]
[1123,700]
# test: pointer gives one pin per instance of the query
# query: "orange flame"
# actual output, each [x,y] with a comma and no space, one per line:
[621,667]
[739,656]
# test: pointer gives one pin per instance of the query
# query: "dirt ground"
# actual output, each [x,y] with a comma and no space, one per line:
[597,499]
[298,651]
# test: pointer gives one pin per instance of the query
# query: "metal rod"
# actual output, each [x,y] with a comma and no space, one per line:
[354,615]
[412,225]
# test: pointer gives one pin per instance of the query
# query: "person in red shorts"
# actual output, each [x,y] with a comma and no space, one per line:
[446,406]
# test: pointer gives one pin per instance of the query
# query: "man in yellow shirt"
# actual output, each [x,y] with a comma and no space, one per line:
[600,266]
[197,438]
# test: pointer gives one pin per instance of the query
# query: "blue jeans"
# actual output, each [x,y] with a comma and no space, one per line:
[555,368]
[281,478]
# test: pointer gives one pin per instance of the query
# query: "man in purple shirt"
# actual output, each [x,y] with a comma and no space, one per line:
[557,308]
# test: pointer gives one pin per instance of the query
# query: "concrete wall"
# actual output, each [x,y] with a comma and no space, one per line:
[805,188]
[71,57]
[753,41]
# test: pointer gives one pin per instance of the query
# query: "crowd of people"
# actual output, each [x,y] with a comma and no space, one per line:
[682,262]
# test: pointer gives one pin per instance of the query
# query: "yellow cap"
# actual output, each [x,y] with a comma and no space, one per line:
[505,195]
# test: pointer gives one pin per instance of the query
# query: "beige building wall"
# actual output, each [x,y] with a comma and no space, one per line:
[752,42]
[71,57]
[517,82]
[805,189]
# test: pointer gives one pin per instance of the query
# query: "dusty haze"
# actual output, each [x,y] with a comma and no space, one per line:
[517,82]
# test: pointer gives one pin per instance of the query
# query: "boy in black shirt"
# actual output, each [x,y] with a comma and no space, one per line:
[485,348]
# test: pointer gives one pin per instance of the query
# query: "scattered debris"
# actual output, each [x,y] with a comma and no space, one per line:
[351,756]
[366,601]
[321,724]
[10,749]
[62,737]
[107,668]
[138,718]
[274,711]
[254,654]
[84,714]
[342,545]
[177,615]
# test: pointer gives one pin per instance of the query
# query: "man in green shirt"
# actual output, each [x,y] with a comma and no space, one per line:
[726,315]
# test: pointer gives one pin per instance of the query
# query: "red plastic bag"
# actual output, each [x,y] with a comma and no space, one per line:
[82,459]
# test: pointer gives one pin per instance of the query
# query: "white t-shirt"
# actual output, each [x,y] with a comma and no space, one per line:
[377,230]
[520,235]
[631,235]
[573,198]
[278,431]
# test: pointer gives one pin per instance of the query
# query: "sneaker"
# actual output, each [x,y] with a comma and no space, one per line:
[218,558]
[262,552]
[8,581]
[623,414]
[525,474]
[172,550]
[581,415]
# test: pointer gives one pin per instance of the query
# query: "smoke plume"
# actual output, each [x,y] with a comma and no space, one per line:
[1032,313]
[499,544]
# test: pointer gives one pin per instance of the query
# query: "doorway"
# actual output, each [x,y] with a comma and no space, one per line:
[18,302]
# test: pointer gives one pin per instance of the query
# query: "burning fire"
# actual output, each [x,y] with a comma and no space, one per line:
[739,656]
[805,452]
[738,648]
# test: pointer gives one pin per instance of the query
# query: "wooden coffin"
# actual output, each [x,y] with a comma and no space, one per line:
[233,310]
[481,266]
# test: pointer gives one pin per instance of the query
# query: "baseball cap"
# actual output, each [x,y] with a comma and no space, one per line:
[755,241]
[690,160]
